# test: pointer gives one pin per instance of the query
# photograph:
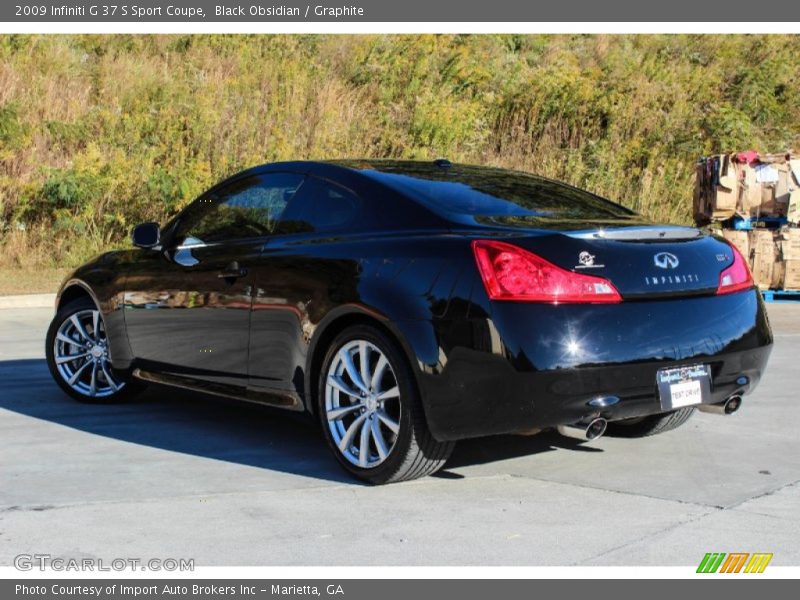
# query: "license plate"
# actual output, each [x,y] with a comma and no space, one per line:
[683,386]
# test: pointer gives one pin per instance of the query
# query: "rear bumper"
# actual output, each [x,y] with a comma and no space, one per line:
[525,366]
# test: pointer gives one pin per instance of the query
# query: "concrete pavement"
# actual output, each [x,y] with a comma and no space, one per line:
[177,475]
[28,301]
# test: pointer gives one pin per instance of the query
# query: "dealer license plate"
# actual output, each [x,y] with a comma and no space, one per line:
[684,386]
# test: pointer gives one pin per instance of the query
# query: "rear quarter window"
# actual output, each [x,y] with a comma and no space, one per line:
[487,192]
[321,206]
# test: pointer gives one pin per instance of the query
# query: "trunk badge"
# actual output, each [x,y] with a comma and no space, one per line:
[587,261]
[666,260]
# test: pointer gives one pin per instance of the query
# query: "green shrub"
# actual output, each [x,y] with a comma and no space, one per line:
[99,132]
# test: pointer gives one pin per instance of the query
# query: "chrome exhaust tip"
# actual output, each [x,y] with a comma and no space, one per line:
[586,431]
[728,407]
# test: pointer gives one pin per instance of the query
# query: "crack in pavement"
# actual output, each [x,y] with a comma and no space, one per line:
[763,494]
[647,536]
[622,492]
[718,510]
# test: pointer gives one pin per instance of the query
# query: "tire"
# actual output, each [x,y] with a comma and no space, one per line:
[652,425]
[399,445]
[78,329]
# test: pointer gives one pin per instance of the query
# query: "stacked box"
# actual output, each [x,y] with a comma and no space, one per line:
[778,275]
[716,192]
[774,255]
[740,240]
[788,240]
[759,189]
[792,191]
[748,185]
[764,256]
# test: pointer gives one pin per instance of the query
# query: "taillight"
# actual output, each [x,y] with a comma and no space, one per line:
[737,277]
[511,273]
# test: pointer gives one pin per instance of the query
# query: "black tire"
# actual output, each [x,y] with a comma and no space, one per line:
[415,452]
[129,387]
[652,425]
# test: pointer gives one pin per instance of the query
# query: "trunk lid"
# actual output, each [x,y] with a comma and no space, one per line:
[641,262]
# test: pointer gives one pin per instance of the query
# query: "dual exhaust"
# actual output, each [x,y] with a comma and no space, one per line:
[595,428]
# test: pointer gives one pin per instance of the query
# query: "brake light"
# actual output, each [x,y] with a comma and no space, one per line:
[737,277]
[511,273]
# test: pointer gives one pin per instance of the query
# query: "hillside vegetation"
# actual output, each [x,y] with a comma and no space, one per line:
[98,133]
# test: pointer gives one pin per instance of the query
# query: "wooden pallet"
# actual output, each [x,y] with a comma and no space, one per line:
[781,295]
[748,223]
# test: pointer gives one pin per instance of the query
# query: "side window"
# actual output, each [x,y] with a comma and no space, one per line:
[248,207]
[320,206]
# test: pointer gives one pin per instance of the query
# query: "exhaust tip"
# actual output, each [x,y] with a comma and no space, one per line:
[726,407]
[586,431]
[732,404]
[596,429]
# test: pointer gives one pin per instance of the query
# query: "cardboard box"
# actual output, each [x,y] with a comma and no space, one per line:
[765,254]
[760,199]
[740,239]
[793,202]
[793,209]
[726,194]
[740,191]
[791,277]
[783,189]
[724,203]
[778,275]
[750,197]
[770,207]
[788,240]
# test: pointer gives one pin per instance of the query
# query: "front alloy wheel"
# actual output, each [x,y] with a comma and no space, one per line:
[370,411]
[77,354]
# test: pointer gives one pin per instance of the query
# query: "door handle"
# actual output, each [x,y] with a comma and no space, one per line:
[232,271]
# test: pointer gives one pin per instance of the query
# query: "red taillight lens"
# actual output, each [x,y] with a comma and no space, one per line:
[511,273]
[737,277]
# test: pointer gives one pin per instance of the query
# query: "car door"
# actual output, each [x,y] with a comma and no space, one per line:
[188,303]
[300,276]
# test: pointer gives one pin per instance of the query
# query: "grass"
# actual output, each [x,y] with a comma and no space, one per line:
[98,132]
[30,281]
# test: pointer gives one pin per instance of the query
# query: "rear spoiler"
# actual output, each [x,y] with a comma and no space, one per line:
[650,233]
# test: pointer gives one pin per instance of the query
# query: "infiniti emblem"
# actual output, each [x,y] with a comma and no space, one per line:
[666,260]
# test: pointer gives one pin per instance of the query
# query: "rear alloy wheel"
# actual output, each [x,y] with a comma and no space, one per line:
[651,425]
[78,356]
[370,410]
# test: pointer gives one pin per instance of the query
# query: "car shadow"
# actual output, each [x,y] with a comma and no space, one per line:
[497,448]
[178,421]
[200,425]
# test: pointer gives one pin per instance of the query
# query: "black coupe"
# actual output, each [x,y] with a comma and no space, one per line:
[407,305]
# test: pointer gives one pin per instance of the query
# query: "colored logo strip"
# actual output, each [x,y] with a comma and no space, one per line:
[714,562]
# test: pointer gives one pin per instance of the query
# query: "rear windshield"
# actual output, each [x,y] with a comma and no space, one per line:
[488,192]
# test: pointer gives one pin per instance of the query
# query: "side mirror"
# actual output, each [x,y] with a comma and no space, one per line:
[146,235]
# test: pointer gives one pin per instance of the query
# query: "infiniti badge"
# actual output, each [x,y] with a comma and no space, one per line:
[666,260]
